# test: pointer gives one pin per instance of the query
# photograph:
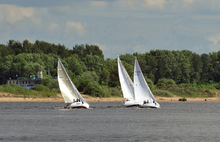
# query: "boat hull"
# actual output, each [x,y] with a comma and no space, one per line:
[149,105]
[131,103]
[78,105]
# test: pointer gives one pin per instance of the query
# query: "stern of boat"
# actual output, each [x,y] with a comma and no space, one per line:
[150,105]
[79,105]
[130,103]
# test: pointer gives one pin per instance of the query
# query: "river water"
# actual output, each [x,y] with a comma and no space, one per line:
[174,121]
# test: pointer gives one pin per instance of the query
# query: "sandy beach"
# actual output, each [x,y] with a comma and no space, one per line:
[7,97]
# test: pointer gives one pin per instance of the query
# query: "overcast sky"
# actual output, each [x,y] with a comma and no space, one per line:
[116,26]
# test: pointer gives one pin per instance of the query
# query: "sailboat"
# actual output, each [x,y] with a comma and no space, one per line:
[71,95]
[127,86]
[141,89]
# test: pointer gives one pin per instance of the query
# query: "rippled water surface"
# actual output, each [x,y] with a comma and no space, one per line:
[174,121]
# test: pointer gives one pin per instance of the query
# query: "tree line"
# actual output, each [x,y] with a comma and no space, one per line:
[86,64]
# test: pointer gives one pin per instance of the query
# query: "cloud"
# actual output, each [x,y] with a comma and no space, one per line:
[98,3]
[130,3]
[197,47]
[14,13]
[214,39]
[139,49]
[155,4]
[187,2]
[215,42]
[72,26]
[53,26]
[1,16]
[102,46]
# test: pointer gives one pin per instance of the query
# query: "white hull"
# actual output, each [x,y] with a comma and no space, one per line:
[150,105]
[131,103]
[78,105]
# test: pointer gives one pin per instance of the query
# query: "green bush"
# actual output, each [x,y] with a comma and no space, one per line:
[41,87]
[150,84]
[48,82]
[163,93]
[94,89]
[107,91]
[166,81]
[183,99]
[90,75]
[82,84]
[115,91]
[16,89]
[53,84]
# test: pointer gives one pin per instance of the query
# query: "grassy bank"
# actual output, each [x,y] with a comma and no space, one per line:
[167,90]
[16,89]
[162,90]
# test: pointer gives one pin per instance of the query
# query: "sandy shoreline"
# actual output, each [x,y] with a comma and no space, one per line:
[16,98]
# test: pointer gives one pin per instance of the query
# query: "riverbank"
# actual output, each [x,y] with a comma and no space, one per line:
[6,97]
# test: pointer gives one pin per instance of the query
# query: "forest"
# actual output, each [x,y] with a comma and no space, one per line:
[167,72]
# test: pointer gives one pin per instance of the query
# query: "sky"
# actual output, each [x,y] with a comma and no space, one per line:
[116,26]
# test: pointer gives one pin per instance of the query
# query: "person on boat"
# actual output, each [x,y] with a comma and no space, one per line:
[145,102]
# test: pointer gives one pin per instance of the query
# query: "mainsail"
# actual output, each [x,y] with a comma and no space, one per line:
[127,85]
[67,88]
[142,91]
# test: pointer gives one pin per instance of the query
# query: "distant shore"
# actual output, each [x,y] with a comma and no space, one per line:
[6,97]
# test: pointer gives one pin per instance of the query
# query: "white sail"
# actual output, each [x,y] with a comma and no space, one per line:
[67,88]
[127,85]
[142,90]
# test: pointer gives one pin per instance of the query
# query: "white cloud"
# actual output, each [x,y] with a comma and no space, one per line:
[72,26]
[130,3]
[155,4]
[37,21]
[14,13]
[187,2]
[215,42]
[196,48]
[1,16]
[214,39]
[98,3]
[102,47]
[53,26]
[139,49]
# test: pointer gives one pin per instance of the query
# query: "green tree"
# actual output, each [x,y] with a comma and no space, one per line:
[128,58]
[215,67]
[206,69]
[79,50]
[16,46]
[94,63]
[27,46]
[197,68]
[75,64]
[94,50]
[105,76]
[151,66]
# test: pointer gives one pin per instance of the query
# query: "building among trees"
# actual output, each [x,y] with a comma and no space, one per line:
[27,82]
